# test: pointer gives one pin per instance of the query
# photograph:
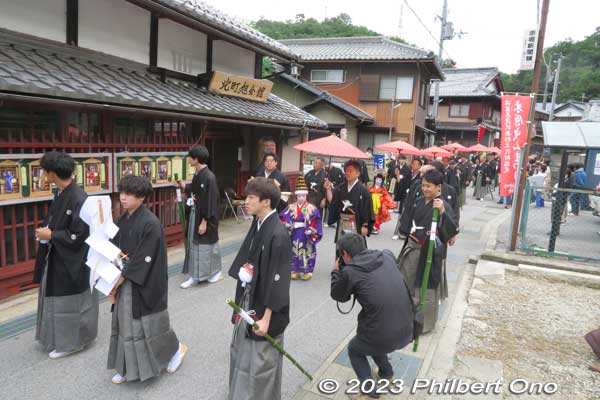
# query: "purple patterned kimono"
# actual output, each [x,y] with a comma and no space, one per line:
[304,222]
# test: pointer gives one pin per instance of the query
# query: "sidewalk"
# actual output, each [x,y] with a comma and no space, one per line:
[18,313]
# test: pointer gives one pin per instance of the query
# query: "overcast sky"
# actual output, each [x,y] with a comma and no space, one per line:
[494,28]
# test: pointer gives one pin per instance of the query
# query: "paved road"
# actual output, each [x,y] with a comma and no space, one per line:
[200,318]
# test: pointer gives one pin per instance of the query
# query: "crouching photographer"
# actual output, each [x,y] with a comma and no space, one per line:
[385,322]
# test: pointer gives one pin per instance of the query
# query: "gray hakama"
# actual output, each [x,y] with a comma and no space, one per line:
[139,348]
[480,187]
[66,323]
[408,260]
[201,260]
[255,367]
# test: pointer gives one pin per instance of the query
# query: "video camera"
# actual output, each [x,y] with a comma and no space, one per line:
[338,253]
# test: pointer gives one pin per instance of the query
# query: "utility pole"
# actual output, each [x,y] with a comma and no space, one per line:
[548,77]
[436,89]
[537,72]
[555,89]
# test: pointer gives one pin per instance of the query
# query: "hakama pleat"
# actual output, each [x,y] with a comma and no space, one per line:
[201,260]
[66,323]
[141,348]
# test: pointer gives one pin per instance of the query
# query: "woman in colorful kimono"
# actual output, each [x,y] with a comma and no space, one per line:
[382,203]
[303,220]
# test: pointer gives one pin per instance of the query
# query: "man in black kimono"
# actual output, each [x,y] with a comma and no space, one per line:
[335,176]
[314,181]
[203,256]
[350,206]
[413,186]
[363,169]
[270,161]
[403,179]
[417,224]
[67,315]
[142,342]
[262,269]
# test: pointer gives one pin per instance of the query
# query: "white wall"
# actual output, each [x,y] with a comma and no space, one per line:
[232,59]
[177,42]
[290,157]
[115,27]
[47,18]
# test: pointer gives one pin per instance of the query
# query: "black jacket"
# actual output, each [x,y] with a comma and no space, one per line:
[386,318]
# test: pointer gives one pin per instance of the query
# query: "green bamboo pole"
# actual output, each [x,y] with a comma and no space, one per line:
[428,262]
[277,345]
[181,212]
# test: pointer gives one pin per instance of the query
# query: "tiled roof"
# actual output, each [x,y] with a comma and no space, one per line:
[209,15]
[355,48]
[335,101]
[46,69]
[468,82]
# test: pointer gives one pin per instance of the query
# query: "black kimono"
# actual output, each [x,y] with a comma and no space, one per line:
[67,315]
[357,203]
[448,194]
[335,176]
[412,258]
[284,186]
[142,341]
[316,191]
[206,200]
[142,238]
[203,253]
[255,365]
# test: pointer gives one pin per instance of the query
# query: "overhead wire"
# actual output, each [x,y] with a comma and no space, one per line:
[427,29]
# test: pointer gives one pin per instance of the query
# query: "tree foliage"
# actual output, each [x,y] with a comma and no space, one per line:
[302,28]
[579,74]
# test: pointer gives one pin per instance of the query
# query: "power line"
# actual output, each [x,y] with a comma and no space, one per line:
[427,29]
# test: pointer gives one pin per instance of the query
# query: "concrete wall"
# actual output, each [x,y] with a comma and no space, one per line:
[46,19]
[232,59]
[178,44]
[328,114]
[115,27]
[297,96]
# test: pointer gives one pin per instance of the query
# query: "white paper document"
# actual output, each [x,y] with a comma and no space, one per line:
[96,211]
[104,247]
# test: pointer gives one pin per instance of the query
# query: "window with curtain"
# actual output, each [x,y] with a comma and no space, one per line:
[459,110]
[396,88]
[327,76]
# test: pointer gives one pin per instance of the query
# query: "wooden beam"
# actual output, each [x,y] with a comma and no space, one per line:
[209,53]
[72,22]
[154,40]
[258,62]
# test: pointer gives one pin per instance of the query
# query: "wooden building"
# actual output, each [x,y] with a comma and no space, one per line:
[386,79]
[127,87]
[469,97]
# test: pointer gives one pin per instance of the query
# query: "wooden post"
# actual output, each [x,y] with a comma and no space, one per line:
[537,72]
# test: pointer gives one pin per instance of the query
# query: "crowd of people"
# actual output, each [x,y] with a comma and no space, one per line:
[280,246]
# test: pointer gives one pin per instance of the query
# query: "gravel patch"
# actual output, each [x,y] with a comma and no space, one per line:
[535,326]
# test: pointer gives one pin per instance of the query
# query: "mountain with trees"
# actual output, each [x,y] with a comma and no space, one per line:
[304,28]
[579,73]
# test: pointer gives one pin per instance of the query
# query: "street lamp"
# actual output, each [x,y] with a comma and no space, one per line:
[392,119]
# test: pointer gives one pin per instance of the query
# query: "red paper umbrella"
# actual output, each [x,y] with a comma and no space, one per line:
[435,151]
[454,146]
[332,146]
[478,148]
[399,146]
[495,150]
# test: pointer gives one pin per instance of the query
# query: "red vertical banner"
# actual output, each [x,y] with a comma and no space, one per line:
[480,133]
[515,114]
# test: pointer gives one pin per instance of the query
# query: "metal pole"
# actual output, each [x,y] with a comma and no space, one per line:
[548,77]
[537,71]
[436,85]
[555,89]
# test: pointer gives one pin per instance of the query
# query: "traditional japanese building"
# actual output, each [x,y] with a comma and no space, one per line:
[386,79]
[469,98]
[128,87]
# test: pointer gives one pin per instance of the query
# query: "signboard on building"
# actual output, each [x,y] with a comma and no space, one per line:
[515,115]
[240,86]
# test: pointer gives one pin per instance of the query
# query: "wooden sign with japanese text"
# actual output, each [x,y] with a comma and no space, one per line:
[239,86]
